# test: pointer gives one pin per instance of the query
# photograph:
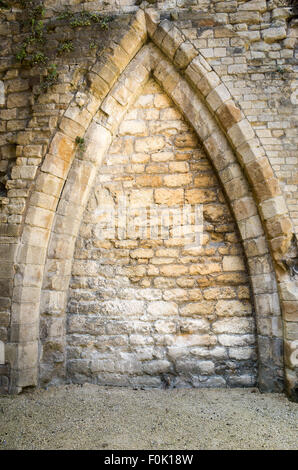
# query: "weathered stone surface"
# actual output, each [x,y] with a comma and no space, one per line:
[156,160]
[150,296]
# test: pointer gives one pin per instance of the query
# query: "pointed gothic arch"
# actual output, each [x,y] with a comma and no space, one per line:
[65,179]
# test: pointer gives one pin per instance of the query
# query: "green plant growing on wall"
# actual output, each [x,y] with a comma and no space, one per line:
[92,45]
[84,18]
[65,47]
[80,143]
[50,79]
[32,52]
[28,51]
[39,58]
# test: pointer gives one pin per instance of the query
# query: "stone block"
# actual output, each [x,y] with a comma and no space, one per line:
[161,308]
[218,96]
[197,309]
[241,132]
[185,54]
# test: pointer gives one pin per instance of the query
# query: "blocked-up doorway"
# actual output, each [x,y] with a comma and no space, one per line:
[159,293]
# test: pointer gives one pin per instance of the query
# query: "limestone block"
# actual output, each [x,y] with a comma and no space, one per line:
[208,83]
[55,166]
[200,196]
[133,127]
[233,263]
[256,247]
[152,20]
[185,54]
[173,39]
[197,309]
[250,228]
[32,254]
[149,180]
[179,167]
[247,17]
[183,341]
[46,201]
[142,253]
[268,188]
[139,24]
[216,145]
[78,114]
[177,179]
[191,326]
[242,354]
[279,225]
[49,184]
[161,308]
[205,268]
[32,151]
[281,13]
[97,85]
[24,332]
[149,144]
[17,100]
[35,236]
[218,96]
[7,252]
[290,310]
[271,35]
[229,114]
[27,355]
[174,270]
[141,197]
[291,331]
[119,57]
[244,207]
[237,325]
[197,69]
[289,290]
[165,327]
[250,151]
[260,170]
[241,132]
[107,71]
[169,197]
[40,217]
[131,42]
[236,188]
[272,207]
[260,265]
[71,128]
[166,75]
[236,339]
[254,5]
[160,32]
[61,246]
[264,283]
[233,308]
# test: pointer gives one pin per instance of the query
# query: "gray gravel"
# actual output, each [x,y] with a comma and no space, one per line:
[93,417]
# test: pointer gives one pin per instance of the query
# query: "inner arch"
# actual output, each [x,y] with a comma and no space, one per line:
[149,310]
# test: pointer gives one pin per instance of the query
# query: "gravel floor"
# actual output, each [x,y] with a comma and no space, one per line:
[92,417]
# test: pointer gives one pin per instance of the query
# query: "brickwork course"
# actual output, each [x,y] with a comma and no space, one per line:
[170,104]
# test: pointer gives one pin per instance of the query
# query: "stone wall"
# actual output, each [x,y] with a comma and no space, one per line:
[249,47]
[144,309]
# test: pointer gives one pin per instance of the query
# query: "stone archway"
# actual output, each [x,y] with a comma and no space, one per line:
[236,144]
